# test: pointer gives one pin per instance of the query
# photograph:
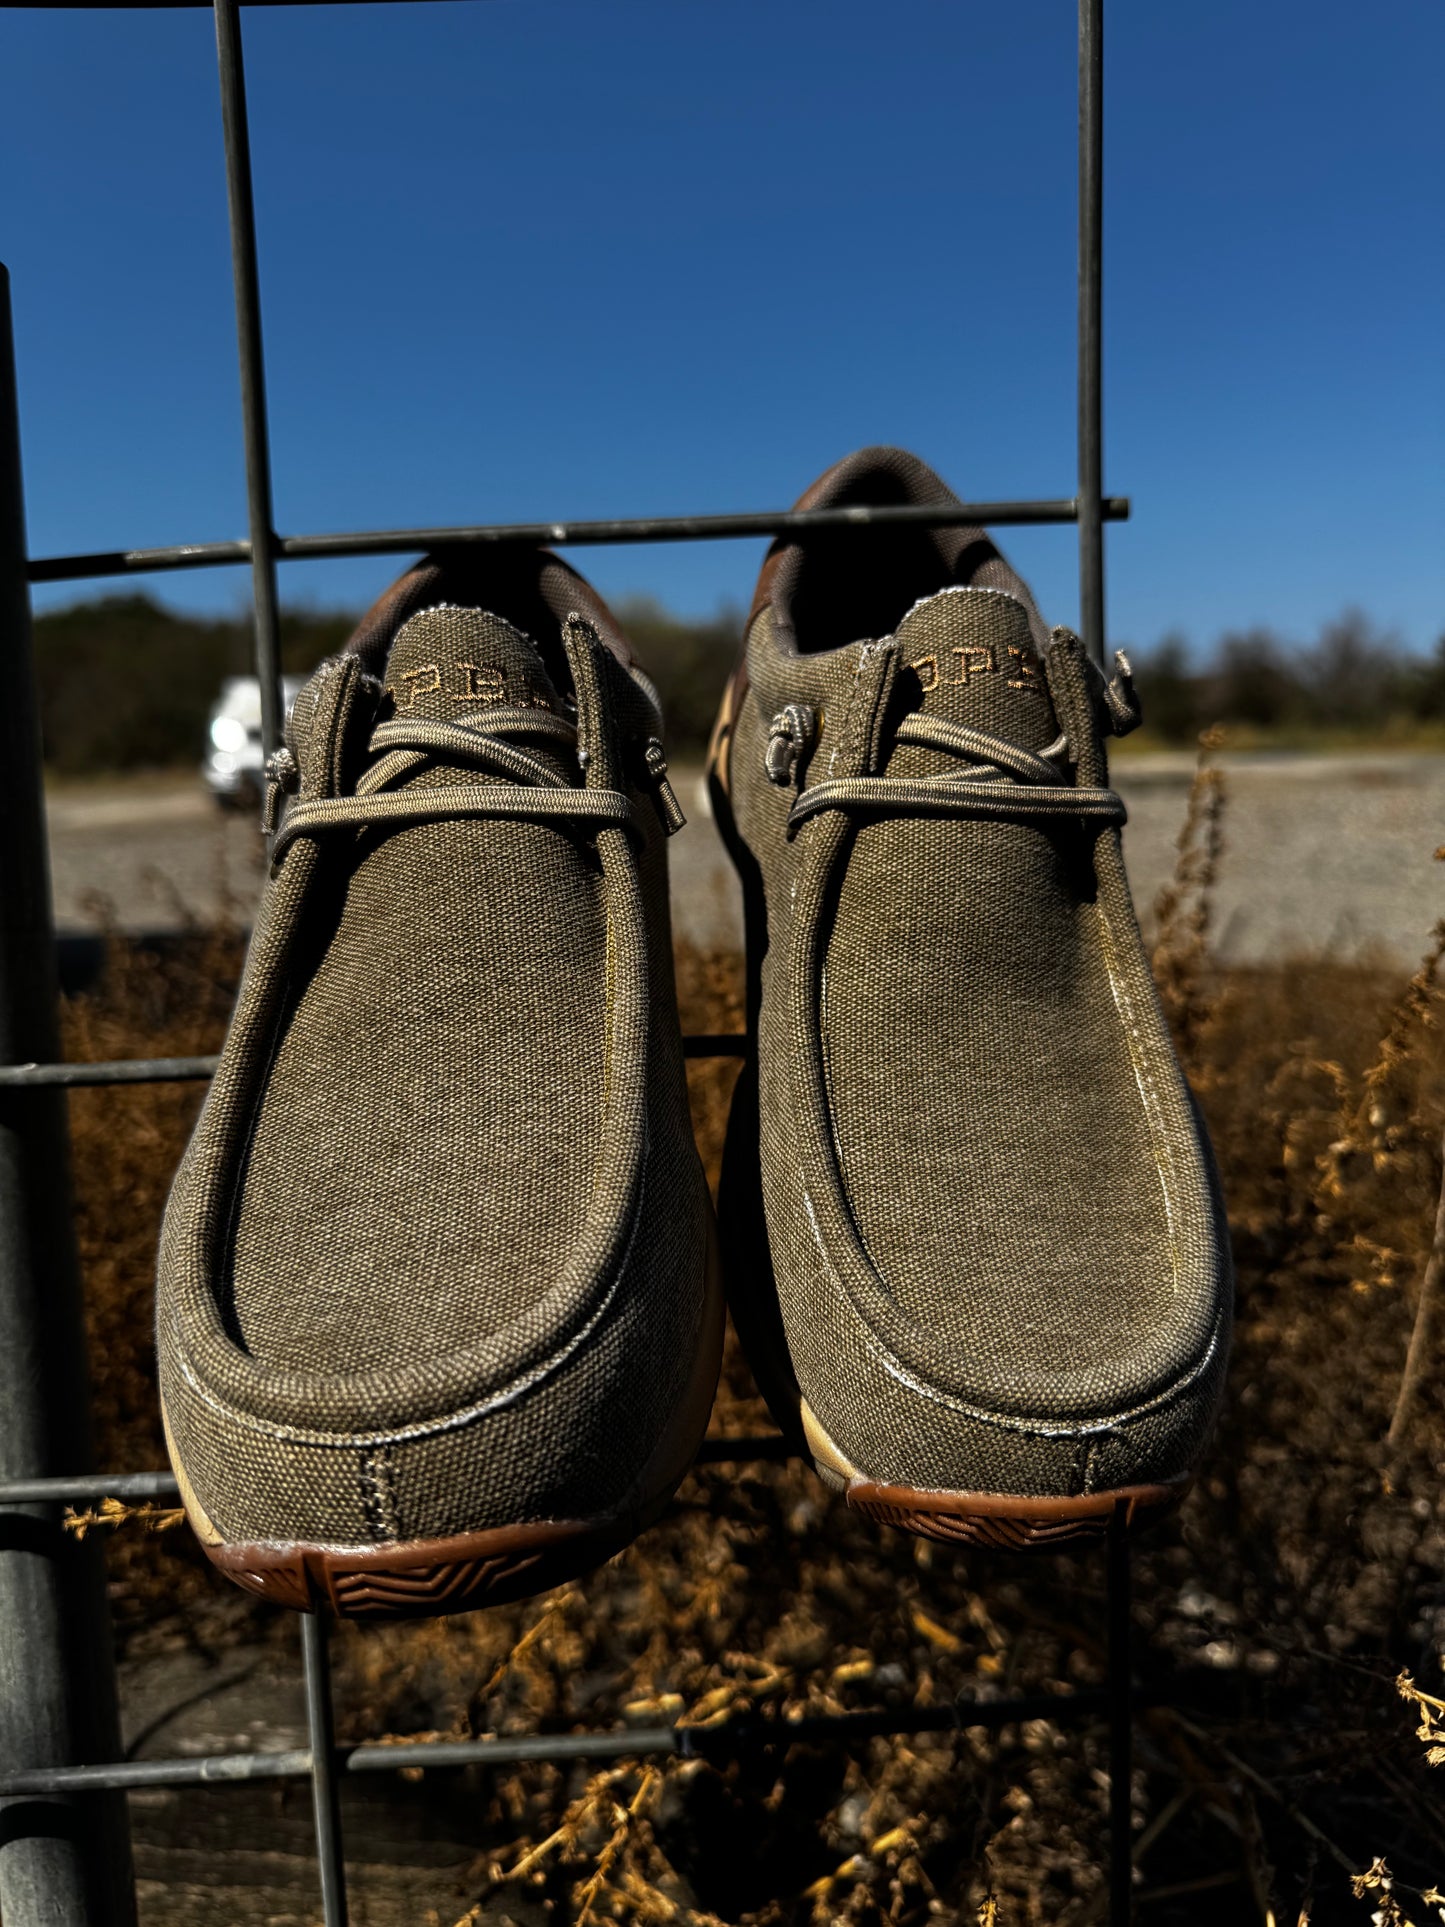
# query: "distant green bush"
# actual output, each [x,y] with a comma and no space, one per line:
[1354,681]
[688,660]
[126,683]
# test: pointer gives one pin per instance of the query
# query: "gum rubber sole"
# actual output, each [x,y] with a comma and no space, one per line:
[428,1576]
[1007,1523]
[1002,1520]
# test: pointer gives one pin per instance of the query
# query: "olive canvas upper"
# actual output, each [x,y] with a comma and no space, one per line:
[435,1258]
[994,1258]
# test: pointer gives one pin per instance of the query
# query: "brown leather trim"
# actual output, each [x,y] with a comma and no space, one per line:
[812,497]
[878,476]
[510,582]
[1007,1520]
[763,593]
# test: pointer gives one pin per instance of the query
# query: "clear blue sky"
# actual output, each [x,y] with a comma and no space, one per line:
[536,258]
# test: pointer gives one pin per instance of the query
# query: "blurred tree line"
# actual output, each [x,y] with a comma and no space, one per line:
[1354,681]
[127,683]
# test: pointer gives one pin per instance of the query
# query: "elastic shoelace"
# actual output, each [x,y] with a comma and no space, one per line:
[1002,780]
[486,742]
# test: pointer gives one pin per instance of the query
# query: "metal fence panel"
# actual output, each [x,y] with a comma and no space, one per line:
[64,1853]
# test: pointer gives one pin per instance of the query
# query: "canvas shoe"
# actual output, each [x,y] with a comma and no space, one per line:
[969,1217]
[439,1323]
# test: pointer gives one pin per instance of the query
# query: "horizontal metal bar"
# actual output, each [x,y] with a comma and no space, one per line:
[87,1488]
[722,1742]
[193,555]
[174,1070]
[125,1070]
[658,528]
[294,1764]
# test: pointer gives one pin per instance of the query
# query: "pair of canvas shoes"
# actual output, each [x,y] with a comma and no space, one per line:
[440,1303]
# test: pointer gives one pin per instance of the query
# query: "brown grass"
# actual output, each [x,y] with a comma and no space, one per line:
[1281,1778]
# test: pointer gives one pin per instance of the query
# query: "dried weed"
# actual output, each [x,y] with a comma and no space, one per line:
[1302,1578]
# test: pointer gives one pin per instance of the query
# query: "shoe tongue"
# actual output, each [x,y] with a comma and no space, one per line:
[449,663]
[967,655]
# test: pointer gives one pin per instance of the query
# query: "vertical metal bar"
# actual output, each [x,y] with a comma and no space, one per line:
[60,1861]
[1121,1725]
[246,280]
[1091,612]
[325,1790]
[1091,336]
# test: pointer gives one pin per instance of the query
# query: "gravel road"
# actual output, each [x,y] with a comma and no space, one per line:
[1321,853]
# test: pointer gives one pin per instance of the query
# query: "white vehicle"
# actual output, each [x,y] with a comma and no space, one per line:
[233,768]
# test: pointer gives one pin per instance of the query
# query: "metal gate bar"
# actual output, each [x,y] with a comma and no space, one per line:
[76,1867]
[57,1683]
[1121,1723]
[657,528]
[730,1739]
[1091,326]
[255,424]
[321,1767]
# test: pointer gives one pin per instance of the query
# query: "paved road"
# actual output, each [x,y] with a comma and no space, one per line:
[1321,853]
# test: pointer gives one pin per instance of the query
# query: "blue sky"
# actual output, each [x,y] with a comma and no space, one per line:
[536,258]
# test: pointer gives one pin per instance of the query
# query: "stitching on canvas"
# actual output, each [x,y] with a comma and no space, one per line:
[1037,1427]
